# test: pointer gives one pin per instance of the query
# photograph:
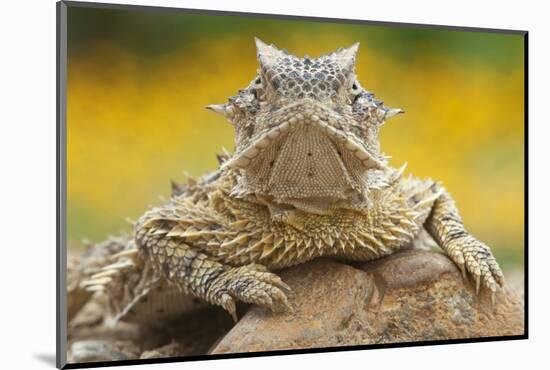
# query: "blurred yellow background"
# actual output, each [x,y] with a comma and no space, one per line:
[138,84]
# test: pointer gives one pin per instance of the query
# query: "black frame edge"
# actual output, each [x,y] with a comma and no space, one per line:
[61,183]
[289,352]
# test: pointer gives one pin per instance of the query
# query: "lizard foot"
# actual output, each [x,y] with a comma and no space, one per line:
[475,257]
[250,284]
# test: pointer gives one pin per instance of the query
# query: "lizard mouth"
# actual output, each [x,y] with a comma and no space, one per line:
[310,118]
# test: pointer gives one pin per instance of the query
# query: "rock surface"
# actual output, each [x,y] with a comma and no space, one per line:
[90,339]
[409,296]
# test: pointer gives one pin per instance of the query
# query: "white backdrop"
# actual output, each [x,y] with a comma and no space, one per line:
[27,186]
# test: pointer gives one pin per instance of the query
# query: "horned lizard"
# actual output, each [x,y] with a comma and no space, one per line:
[307,179]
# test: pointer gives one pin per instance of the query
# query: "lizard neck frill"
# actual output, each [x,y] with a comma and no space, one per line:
[282,237]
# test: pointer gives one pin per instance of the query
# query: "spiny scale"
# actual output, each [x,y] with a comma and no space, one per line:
[250,235]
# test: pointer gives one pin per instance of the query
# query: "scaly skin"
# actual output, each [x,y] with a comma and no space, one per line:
[307,180]
[445,226]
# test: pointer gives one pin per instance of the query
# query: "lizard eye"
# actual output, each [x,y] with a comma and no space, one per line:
[355,88]
[258,88]
[355,92]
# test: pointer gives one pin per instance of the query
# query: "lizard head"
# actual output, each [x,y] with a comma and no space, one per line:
[306,131]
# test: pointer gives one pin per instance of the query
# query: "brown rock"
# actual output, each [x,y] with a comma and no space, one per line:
[326,295]
[409,296]
[92,350]
[192,334]
[422,296]
[172,349]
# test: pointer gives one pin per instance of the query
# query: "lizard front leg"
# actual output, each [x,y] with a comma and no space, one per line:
[178,241]
[445,226]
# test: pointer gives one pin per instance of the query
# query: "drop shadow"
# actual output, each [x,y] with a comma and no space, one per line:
[47,358]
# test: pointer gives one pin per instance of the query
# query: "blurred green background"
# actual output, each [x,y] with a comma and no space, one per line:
[138,83]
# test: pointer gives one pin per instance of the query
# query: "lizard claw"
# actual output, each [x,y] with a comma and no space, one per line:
[458,258]
[251,284]
[474,257]
[228,304]
[462,270]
